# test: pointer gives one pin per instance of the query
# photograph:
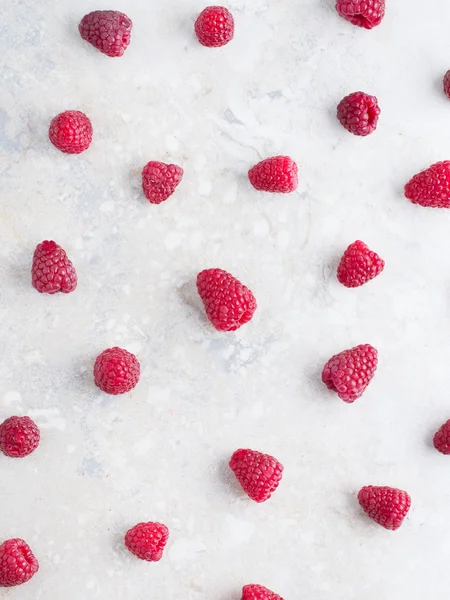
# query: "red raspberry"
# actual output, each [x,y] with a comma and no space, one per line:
[228,303]
[160,180]
[441,438]
[358,265]
[116,371]
[275,174]
[258,592]
[351,371]
[107,30]
[259,474]
[363,13]
[385,505]
[147,540]
[71,132]
[359,113]
[52,271]
[446,83]
[19,436]
[17,563]
[214,26]
[431,188]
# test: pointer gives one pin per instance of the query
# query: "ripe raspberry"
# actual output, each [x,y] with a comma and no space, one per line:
[160,180]
[107,30]
[358,265]
[363,13]
[52,271]
[385,505]
[359,113]
[351,371]
[259,474]
[71,132]
[116,371]
[258,592]
[431,188]
[446,83]
[19,436]
[228,303]
[275,174]
[214,26]
[147,540]
[441,439]
[17,563]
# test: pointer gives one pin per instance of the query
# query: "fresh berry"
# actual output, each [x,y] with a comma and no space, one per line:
[441,438]
[116,371]
[259,474]
[107,30]
[19,436]
[160,180]
[359,113]
[275,174]
[71,132]
[52,271]
[431,188]
[358,265]
[147,540]
[258,592]
[17,563]
[363,13]
[228,303]
[214,26]
[385,505]
[351,371]
[446,83]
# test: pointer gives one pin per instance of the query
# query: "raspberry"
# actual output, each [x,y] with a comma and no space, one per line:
[359,113]
[71,132]
[116,371]
[441,438]
[259,474]
[275,174]
[214,26]
[431,188]
[363,13]
[147,540]
[52,271]
[228,303]
[17,563]
[446,84]
[351,371]
[258,592]
[160,180]
[107,30]
[358,265]
[385,505]
[19,436]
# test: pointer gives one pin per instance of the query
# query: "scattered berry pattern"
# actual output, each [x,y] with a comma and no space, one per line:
[214,26]
[350,372]
[358,265]
[431,188]
[71,132]
[107,30]
[258,592]
[116,371]
[441,439]
[259,474]
[275,174]
[19,436]
[363,13]
[52,271]
[359,113]
[17,563]
[159,181]
[147,540]
[385,505]
[228,303]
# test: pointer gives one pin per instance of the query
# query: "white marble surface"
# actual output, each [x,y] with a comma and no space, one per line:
[160,453]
